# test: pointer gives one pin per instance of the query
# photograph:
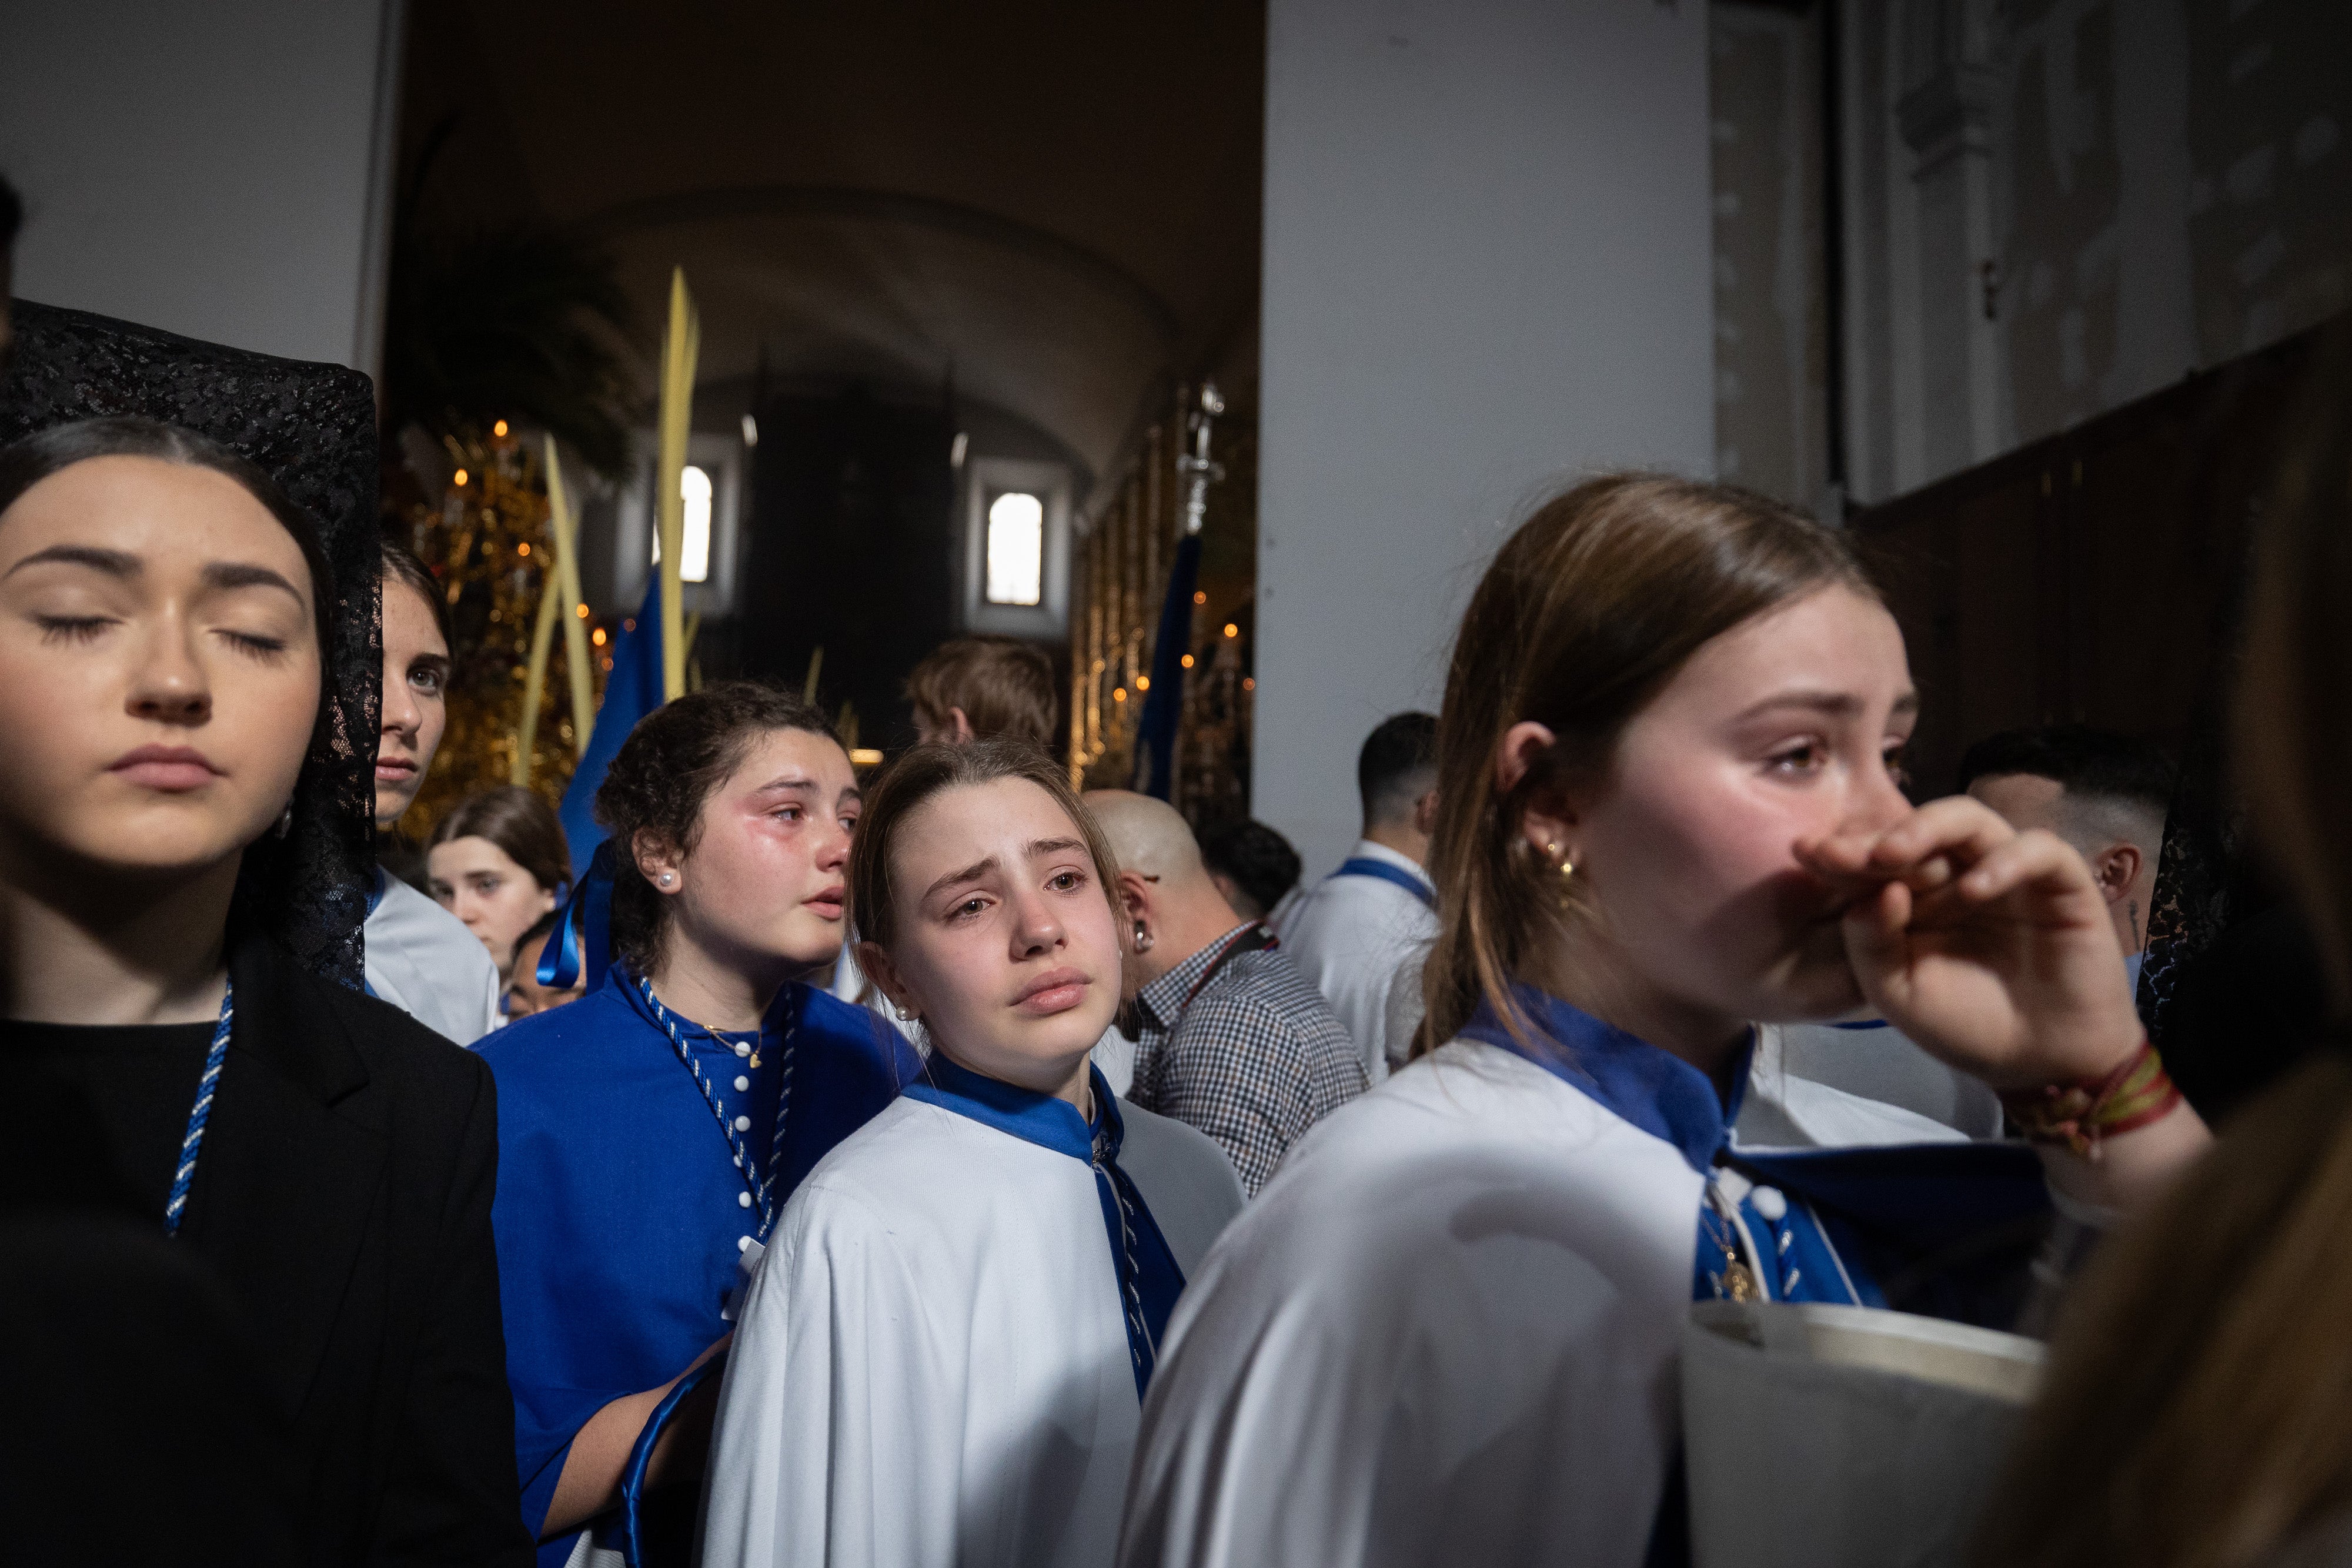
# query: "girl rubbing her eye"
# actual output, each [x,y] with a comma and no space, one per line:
[164,622]
[1669,764]
[650,1132]
[975,1263]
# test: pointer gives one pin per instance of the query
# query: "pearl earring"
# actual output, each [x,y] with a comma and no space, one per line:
[665,879]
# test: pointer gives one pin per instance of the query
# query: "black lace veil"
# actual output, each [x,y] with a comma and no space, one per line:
[312,428]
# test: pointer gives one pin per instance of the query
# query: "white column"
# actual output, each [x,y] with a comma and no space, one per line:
[1487,268]
[218,169]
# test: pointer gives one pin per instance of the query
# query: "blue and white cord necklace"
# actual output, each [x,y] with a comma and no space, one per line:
[760,1189]
[200,1113]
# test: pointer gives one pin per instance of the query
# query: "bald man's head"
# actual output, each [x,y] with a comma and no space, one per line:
[1172,904]
[1150,837]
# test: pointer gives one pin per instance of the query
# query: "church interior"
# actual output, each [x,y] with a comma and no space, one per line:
[1964,276]
[1221,361]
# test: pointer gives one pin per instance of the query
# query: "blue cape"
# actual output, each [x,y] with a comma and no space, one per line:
[618,1211]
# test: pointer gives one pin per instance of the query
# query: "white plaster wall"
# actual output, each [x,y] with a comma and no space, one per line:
[1487,268]
[218,169]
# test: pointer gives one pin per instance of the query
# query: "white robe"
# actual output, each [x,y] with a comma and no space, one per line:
[1446,1333]
[1186,1177]
[423,960]
[1881,1066]
[1361,942]
[932,1369]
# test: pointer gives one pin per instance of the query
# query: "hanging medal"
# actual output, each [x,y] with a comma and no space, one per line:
[1736,1281]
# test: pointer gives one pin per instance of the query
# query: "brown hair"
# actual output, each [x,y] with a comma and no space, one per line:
[928,770]
[402,566]
[664,773]
[1006,687]
[1591,606]
[2197,1410]
[520,822]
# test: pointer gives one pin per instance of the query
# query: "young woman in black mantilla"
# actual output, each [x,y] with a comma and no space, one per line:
[179,898]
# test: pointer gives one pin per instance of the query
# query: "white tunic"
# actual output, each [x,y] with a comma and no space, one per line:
[1800,1097]
[932,1369]
[1445,1332]
[1361,942]
[1186,1178]
[1877,1062]
[423,960]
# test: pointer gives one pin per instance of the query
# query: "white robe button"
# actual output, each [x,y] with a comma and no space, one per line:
[742,1084]
[742,1244]
[742,1200]
[742,1047]
[743,1125]
[1769,1203]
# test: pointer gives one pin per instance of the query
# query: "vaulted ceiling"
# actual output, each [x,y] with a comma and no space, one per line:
[1057,204]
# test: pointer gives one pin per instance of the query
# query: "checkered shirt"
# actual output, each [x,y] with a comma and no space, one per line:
[1257,1060]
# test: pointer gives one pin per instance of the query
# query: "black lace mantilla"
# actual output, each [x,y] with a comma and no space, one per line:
[312,428]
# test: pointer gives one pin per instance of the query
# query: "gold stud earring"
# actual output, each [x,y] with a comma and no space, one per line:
[1554,853]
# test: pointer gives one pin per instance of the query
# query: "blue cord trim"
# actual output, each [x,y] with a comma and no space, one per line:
[762,1188]
[200,1114]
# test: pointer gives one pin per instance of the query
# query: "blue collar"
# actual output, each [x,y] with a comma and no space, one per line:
[782,1013]
[377,889]
[1659,1093]
[1046,1120]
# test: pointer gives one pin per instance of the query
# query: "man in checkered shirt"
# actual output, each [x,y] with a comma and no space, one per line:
[1233,1039]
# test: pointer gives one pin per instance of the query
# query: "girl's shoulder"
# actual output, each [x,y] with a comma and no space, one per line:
[1467,1144]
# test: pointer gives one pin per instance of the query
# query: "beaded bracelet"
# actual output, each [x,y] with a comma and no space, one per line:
[2083,1115]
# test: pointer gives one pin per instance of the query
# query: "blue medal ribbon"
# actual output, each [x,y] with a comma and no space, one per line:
[1149,1279]
[583,950]
[199,1115]
[1381,871]
[761,1187]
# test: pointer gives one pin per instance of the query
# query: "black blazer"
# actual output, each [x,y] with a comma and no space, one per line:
[344,1197]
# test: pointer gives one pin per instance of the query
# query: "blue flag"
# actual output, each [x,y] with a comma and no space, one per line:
[632,690]
[1163,705]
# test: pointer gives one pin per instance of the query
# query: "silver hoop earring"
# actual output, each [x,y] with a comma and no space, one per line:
[1143,939]
[285,822]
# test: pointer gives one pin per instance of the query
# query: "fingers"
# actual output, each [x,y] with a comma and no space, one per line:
[1925,850]
[2037,863]
[1877,946]
[1956,828]
[1851,860]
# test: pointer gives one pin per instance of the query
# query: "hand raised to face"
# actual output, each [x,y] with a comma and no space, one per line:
[1992,947]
